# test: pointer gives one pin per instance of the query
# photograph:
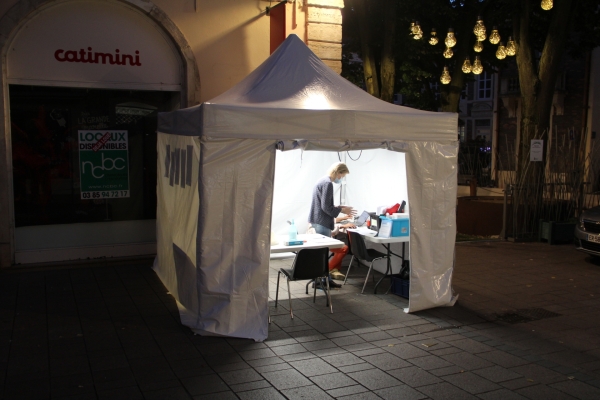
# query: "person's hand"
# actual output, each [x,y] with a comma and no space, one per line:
[349,226]
[338,219]
[348,210]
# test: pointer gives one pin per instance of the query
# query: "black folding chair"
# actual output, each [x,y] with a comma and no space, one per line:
[361,253]
[308,264]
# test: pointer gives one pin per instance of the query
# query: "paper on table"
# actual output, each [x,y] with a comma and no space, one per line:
[385,230]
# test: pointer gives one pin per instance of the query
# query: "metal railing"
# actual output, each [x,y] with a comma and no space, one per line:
[526,205]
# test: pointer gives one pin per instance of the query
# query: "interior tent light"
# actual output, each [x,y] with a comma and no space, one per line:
[511,47]
[445,78]
[316,100]
[433,40]
[479,29]
[477,66]
[547,4]
[418,31]
[450,39]
[495,36]
[501,52]
[478,47]
[466,67]
[448,53]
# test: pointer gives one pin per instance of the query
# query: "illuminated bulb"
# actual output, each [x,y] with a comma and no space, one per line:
[448,53]
[433,40]
[466,67]
[547,4]
[450,39]
[414,28]
[511,47]
[501,52]
[477,67]
[419,31]
[478,47]
[445,78]
[494,36]
[479,29]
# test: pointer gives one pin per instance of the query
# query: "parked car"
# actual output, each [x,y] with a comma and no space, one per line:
[587,232]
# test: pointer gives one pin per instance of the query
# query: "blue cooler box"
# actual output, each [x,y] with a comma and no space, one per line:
[400,226]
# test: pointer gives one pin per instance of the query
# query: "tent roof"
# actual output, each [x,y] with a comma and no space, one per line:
[294,95]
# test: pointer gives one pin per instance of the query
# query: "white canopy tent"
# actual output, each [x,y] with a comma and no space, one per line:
[215,185]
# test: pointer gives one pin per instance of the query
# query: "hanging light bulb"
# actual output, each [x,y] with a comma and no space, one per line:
[466,67]
[501,52]
[445,78]
[547,4]
[450,39]
[418,31]
[494,36]
[478,47]
[477,67]
[448,53]
[433,40]
[479,29]
[511,47]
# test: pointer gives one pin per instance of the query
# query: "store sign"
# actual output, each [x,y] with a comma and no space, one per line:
[537,150]
[94,57]
[103,164]
[93,44]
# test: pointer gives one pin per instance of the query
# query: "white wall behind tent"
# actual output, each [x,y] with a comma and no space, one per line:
[377,177]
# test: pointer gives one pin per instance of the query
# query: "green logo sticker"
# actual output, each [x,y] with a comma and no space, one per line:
[103,164]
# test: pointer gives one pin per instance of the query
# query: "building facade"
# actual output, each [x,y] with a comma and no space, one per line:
[82,82]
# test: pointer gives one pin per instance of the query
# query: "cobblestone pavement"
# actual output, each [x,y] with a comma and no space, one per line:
[526,326]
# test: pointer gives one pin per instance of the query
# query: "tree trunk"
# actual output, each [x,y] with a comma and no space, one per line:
[537,85]
[369,67]
[388,64]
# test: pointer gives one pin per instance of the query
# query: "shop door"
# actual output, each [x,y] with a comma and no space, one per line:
[84,171]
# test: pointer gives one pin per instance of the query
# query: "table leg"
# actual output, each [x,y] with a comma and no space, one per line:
[388,270]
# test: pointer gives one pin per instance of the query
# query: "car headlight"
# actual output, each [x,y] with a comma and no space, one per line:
[581,226]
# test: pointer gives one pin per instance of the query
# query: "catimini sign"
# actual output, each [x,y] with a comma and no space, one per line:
[89,56]
[95,44]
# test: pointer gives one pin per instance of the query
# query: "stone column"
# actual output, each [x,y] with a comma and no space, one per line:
[324,31]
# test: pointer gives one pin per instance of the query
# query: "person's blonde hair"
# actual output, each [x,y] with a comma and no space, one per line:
[338,168]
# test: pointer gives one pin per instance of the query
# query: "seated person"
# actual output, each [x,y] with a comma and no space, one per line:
[339,232]
[342,223]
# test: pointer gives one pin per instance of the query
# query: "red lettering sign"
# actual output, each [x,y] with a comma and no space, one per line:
[92,57]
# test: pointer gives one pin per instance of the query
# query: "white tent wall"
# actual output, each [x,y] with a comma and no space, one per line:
[431,173]
[177,215]
[236,191]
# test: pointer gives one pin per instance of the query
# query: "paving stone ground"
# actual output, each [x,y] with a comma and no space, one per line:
[113,332]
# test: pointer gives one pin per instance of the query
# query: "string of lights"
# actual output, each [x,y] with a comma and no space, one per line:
[480,32]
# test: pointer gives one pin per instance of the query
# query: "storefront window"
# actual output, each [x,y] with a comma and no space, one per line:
[46,126]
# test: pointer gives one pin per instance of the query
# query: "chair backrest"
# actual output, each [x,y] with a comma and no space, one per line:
[359,249]
[311,263]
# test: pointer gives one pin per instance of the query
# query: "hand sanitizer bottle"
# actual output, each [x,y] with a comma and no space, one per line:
[293,232]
